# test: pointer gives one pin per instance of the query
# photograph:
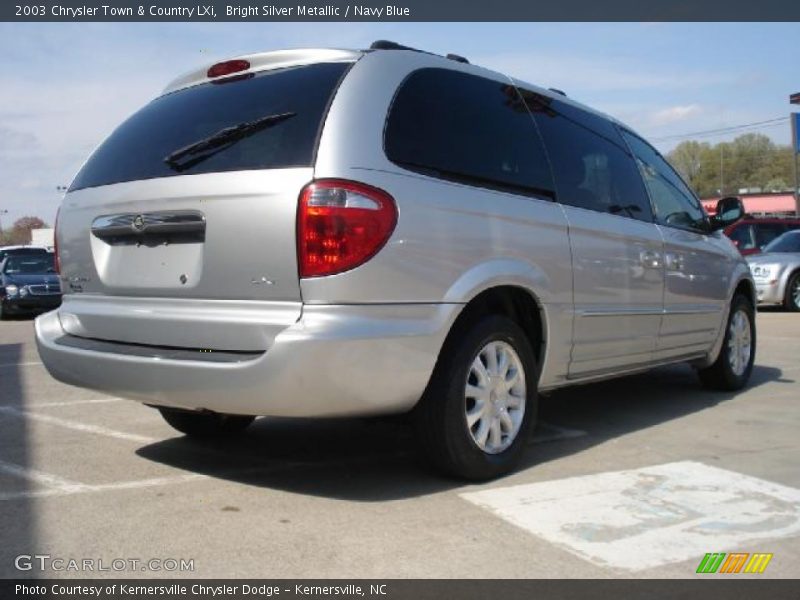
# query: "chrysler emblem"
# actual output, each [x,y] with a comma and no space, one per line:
[138,223]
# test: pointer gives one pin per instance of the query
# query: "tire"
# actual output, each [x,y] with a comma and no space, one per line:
[791,300]
[729,373]
[205,424]
[441,418]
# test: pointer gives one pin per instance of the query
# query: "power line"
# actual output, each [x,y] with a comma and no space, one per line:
[723,130]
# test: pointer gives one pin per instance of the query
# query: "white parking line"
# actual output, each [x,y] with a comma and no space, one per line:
[62,487]
[55,483]
[22,364]
[76,402]
[76,425]
[643,518]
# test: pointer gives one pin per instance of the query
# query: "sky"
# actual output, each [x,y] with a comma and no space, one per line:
[65,86]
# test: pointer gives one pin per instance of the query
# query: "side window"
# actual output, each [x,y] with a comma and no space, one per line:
[468,129]
[593,168]
[766,232]
[674,203]
[742,236]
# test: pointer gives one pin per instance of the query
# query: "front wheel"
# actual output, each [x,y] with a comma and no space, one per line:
[733,366]
[792,299]
[475,418]
[204,424]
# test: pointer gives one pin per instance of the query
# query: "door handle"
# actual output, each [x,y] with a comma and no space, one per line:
[650,259]
[129,228]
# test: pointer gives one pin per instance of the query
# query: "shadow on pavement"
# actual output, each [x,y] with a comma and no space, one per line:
[371,460]
[17,511]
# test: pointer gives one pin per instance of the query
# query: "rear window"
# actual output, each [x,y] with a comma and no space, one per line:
[139,148]
[32,263]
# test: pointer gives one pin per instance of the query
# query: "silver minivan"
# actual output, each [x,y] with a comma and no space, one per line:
[326,233]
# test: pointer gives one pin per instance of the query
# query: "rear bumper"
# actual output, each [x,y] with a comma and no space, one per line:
[334,361]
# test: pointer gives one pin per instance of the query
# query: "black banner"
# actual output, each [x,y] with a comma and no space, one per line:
[734,587]
[401,10]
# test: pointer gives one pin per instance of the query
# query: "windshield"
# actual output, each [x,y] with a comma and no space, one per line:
[788,242]
[177,121]
[21,264]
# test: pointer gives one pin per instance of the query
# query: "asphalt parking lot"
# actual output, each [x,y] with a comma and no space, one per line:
[638,477]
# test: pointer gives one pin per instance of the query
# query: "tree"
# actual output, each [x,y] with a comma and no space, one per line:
[751,160]
[20,231]
[689,158]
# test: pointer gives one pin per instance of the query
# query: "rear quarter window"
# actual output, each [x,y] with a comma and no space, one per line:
[469,129]
[137,149]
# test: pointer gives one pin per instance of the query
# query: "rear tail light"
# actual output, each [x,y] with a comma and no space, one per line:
[57,258]
[227,68]
[341,225]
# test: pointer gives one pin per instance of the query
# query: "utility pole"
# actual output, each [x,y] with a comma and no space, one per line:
[796,151]
[3,211]
[795,119]
[721,170]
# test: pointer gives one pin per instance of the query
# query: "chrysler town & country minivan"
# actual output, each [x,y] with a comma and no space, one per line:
[327,233]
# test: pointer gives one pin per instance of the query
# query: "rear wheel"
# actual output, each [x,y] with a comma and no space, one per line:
[791,300]
[475,417]
[204,424]
[733,366]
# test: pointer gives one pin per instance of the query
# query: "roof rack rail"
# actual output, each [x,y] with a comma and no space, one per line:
[457,58]
[557,91]
[389,45]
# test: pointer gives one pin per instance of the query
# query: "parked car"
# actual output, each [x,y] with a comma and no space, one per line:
[322,233]
[9,250]
[28,284]
[777,271]
[751,234]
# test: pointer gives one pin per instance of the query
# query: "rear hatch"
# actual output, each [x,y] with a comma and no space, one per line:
[187,212]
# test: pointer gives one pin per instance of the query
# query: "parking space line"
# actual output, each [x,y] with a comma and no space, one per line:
[76,402]
[79,488]
[76,425]
[21,364]
[53,482]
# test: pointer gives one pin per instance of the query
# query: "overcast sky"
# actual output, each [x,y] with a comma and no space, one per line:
[66,86]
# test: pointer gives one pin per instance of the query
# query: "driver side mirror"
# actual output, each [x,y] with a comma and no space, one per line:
[729,210]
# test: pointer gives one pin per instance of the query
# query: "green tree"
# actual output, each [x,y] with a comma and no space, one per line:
[751,161]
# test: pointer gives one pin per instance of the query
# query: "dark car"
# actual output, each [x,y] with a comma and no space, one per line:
[751,235]
[28,284]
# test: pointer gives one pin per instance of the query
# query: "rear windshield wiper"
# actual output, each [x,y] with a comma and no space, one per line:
[221,140]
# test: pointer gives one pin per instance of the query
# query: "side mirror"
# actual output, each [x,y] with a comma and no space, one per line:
[729,210]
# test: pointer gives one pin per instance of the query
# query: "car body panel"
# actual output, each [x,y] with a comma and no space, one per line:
[327,364]
[772,289]
[698,271]
[618,292]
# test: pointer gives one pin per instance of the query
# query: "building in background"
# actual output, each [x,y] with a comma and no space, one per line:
[777,204]
[43,237]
